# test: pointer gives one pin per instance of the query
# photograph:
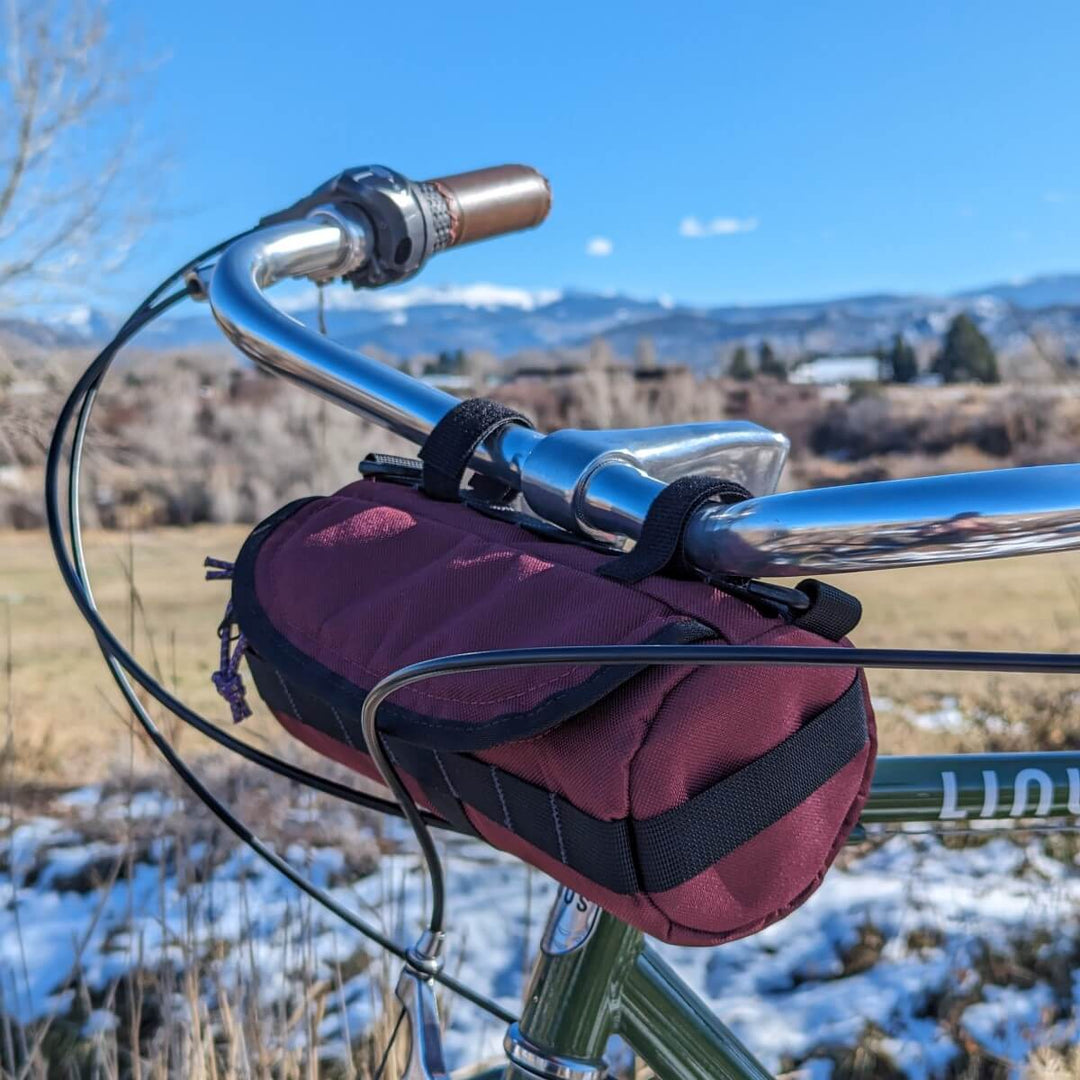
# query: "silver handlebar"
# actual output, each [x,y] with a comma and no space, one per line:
[604,482]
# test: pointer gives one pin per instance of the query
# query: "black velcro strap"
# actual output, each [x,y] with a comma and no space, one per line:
[452,443]
[679,844]
[625,856]
[832,613]
[659,548]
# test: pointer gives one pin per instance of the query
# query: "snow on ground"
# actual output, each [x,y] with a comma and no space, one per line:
[947,717]
[932,946]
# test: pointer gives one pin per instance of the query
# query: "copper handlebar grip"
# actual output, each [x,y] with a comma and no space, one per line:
[488,202]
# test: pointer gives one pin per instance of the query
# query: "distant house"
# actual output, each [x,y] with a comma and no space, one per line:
[451,382]
[837,371]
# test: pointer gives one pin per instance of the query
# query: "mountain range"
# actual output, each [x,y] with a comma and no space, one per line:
[505,321]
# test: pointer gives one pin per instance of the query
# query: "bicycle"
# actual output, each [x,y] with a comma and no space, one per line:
[595,975]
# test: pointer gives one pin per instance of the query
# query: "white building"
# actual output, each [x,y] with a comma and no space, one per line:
[837,371]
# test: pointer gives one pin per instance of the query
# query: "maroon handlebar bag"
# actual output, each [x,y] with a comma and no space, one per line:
[699,804]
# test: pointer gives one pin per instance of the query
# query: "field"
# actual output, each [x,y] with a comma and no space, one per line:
[139,931]
[69,723]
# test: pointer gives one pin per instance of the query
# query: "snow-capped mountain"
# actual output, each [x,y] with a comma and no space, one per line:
[1056,290]
[506,320]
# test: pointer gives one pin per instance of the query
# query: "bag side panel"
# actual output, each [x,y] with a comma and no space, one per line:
[777,870]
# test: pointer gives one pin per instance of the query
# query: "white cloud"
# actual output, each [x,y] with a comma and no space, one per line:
[600,247]
[695,228]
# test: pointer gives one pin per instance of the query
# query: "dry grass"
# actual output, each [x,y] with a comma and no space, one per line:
[1029,604]
[192,1003]
[71,724]
[1054,1065]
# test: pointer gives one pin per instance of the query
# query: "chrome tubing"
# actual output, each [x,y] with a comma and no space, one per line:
[892,523]
[285,347]
[320,248]
[604,490]
[327,244]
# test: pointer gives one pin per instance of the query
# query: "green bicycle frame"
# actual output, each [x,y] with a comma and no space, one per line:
[596,977]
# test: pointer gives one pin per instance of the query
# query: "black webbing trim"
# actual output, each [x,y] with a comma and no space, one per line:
[832,613]
[428,768]
[600,850]
[659,548]
[676,846]
[453,441]
[624,856]
[391,467]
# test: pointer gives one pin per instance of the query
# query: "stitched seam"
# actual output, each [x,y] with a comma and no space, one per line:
[503,720]
[348,662]
[558,826]
[502,798]
[439,723]
[341,725]
[288,694]
[446,775]
[629,783]
[648,730]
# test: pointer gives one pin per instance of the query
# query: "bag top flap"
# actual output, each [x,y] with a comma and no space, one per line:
[353,586]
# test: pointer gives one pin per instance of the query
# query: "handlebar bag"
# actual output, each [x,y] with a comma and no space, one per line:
[699,804]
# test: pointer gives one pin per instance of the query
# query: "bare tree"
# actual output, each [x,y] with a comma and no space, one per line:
[66,137]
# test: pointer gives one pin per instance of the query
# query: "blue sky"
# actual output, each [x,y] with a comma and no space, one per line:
[817,149]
